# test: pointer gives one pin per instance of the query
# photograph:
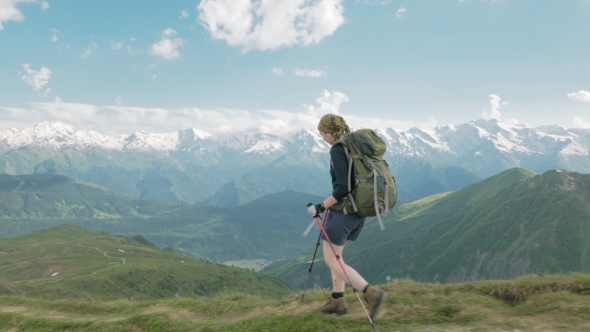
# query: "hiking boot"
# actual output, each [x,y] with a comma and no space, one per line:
[335,306]
[374,298]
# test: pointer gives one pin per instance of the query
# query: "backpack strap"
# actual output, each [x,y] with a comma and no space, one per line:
[350,163]
[350,157]
[375,196]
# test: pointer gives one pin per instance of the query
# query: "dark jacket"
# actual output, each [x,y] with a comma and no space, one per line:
[339,172]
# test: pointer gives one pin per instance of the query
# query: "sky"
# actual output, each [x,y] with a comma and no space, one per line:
[276,66]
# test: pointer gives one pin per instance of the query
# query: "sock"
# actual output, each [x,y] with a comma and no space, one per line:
[337,295]
[366,287]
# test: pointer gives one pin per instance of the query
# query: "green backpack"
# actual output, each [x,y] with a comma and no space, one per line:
[374,192]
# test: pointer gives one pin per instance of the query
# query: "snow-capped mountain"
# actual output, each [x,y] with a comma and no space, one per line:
[58,135]
[483,147]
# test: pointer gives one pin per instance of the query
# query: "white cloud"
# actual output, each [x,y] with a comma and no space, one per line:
[167,47]
[581,122]
[270,24]
[310,72]
[184,14]
[133,39]
[118,119]
[375,2]
[580,95]
[495,104]
[116,46]
[9,12]
[400,12]
[169,32]
[119,100]
[54,34]
[89,50]
[36,79]
[131,51]
[154,77]
[47,91]
[277,71]
[328,102]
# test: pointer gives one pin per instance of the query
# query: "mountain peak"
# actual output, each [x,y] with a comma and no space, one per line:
[54,126]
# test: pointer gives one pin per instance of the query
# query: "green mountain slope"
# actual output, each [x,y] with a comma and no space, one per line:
[182,179]
[145,175]
[416,178]
[535,226]
[54,196]
[373,252]
[267,228]
[284,173]
[68,262]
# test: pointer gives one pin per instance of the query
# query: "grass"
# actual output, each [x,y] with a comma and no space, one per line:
[68,262]
[530,303]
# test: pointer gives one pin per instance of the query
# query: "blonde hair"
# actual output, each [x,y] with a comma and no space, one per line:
[333,124]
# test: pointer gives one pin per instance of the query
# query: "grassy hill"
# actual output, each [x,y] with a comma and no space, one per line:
[508,225]
[68,262]
[267,228]
[39,196]
[531,303]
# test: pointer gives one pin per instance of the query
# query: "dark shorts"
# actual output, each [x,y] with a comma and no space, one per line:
[343,227]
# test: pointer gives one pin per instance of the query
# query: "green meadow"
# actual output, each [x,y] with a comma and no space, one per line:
[530,303]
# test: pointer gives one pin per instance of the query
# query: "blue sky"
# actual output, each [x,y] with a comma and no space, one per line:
[232,66]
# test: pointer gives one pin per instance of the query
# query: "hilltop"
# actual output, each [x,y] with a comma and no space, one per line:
[68,262]
[531,303]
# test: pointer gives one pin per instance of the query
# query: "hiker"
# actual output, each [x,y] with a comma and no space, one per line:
[341,227]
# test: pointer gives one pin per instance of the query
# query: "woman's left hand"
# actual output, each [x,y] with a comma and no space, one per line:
[315,210]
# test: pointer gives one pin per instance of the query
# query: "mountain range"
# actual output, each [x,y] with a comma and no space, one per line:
[222,173]
[192,166]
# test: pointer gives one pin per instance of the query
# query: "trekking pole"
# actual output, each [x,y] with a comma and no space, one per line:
[317,220]
[313,259]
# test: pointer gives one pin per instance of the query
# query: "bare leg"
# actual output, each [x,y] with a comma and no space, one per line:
[337,283]
[338,276]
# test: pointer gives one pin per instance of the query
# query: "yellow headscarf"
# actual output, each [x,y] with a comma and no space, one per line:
[333,124]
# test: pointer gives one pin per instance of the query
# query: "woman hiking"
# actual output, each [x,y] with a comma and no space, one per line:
[341,227]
